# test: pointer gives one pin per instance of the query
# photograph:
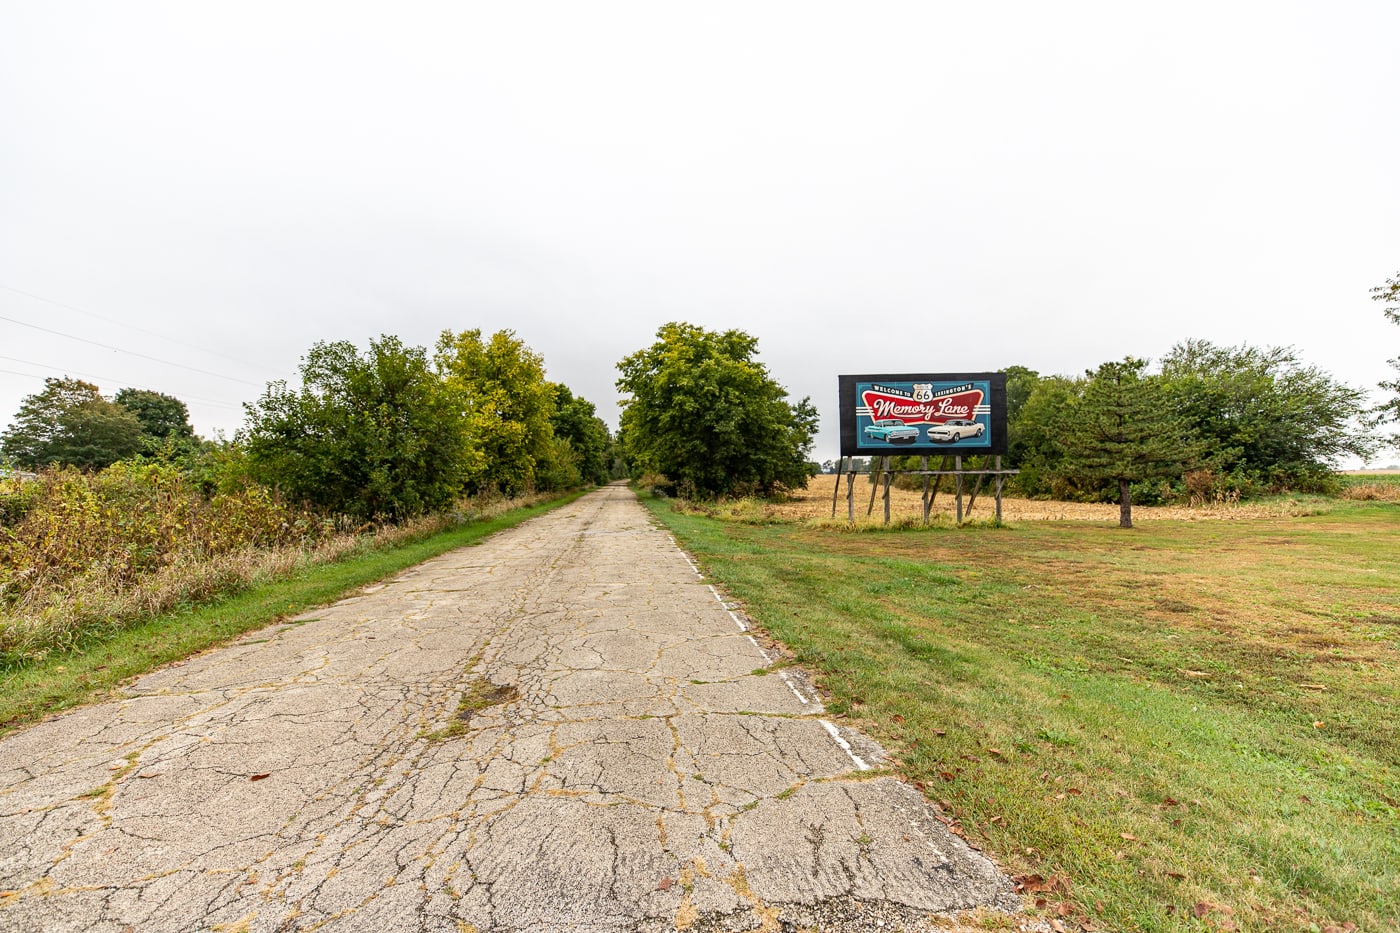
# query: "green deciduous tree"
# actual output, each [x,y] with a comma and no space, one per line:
[507,404]
[71,423]
[1267,419]
[377,434]
[703,412]
[1389,295]
[162,416]
[1033,441]
[576,421]
[1120,429]
[165,421]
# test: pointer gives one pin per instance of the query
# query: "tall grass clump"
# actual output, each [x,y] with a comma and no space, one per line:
[82,554]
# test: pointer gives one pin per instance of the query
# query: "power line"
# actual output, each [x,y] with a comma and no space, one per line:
[152,333]
[154,359]
[78,372]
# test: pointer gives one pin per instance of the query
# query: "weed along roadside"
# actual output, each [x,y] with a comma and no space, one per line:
[32,688]
[1185,726]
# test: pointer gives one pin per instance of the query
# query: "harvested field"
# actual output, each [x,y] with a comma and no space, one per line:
[814,504]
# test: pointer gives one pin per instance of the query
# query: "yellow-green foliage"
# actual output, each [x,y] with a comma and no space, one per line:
[83,555]
[129,520]
[77,548]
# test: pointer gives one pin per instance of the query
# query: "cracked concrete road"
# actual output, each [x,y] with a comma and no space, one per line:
[642,768]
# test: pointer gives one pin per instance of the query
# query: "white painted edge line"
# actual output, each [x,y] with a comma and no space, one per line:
[793,687]
[764,654]
[845,746]
[693,566]
[737,621]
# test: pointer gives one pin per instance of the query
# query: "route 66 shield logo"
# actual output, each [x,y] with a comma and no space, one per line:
[923,391]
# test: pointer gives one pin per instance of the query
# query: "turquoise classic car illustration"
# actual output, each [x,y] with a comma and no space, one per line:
[891,431]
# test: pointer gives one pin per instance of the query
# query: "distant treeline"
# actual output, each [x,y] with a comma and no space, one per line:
[383,434]
[1208,423]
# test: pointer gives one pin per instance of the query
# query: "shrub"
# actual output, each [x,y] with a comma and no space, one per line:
[67,529]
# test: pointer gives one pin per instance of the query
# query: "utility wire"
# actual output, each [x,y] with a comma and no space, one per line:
[152,333]
[154,359]
[77,372]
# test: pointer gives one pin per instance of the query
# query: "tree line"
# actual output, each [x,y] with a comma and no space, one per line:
[395,431]
[385,433]
[1207,423]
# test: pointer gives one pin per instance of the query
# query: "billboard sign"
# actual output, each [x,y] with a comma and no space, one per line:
[923,413]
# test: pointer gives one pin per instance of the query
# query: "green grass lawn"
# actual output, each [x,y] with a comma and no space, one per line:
[29,691]
[1184,726]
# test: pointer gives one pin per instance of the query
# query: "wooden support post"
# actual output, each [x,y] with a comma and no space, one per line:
[1000,477]
[923,465]
[874,487]
[888,477]
[938,482]
[977,487]
[851,494]
[840,467]
[957,465]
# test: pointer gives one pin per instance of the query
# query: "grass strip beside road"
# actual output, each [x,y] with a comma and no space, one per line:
[64,680]
[1185,726]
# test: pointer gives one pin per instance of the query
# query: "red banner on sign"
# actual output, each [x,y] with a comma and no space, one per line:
[884,406]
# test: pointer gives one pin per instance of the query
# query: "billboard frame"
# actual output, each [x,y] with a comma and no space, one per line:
[853,423]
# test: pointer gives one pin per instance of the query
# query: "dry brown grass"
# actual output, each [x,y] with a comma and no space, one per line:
[108,596]
[813,504]
[1373,492]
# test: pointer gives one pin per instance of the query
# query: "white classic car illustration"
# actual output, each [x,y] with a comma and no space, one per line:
[956,430]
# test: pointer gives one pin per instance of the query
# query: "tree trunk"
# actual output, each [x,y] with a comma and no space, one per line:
[1125,505]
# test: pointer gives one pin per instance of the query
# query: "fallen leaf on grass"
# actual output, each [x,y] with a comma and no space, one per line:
[1034,884]
[1317,724]
[1029,883]
[1313,686]
[1128,836]
[1192,673]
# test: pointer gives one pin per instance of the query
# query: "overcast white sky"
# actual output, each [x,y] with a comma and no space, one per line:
[873,187]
